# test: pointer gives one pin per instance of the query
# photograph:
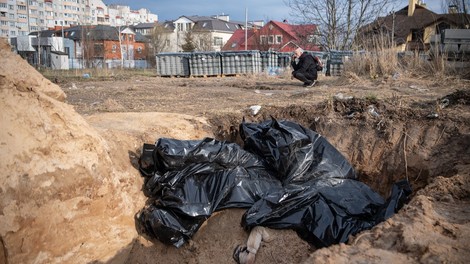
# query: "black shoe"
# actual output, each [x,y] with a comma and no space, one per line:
[310,84]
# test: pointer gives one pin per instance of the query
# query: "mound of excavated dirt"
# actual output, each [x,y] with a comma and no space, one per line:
[69,194]
[62,198]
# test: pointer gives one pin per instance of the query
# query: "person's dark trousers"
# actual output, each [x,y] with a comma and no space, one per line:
[304,77]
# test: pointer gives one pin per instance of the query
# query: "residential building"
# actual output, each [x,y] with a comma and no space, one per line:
[145,29]
[411,27]
[102,43]
[44,48]
[207,33]
[20,17]
[276,36]
[84,46]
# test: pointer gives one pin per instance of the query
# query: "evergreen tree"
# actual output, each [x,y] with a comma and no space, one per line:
[188,45]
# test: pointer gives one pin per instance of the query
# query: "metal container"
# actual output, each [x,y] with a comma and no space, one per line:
[241,62]
[205,64]
[173,64]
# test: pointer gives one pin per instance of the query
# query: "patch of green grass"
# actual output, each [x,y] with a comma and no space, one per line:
[371,98]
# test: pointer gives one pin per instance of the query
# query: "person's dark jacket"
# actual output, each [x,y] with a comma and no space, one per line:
[306,65]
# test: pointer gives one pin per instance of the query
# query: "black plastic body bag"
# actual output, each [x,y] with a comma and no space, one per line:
[287,176]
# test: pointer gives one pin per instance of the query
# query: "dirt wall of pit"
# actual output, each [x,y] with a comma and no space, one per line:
[402,142]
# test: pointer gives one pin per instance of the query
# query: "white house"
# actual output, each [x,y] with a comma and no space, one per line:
[209,33]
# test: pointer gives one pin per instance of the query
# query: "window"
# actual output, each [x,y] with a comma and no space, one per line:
[218,41]
[21,7]
[262,39]
[278,39]
[417,34]
[3,5]
[271,39]
[98,50]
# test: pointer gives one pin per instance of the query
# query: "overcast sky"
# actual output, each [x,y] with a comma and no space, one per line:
[257,9]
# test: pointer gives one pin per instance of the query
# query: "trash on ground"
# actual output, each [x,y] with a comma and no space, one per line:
[341,97]
[255,109]
[287,176]
[444,103]
[372,111]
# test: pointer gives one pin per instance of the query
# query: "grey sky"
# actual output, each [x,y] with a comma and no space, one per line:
[257,9]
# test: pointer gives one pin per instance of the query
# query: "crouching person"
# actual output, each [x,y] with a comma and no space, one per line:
[305,68]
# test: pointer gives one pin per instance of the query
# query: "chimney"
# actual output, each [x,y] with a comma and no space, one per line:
[411,7]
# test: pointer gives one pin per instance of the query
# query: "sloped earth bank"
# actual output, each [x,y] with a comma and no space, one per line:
[70,188]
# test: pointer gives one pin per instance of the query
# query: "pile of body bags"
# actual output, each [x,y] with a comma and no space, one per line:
[286,175]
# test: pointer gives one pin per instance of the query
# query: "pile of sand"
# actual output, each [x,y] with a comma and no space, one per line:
[62,198]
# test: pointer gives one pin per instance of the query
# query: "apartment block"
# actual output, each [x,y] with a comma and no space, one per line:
[20,17]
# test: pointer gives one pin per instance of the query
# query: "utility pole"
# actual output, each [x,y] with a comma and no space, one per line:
[39,49]
[27,15]
[246,28]
[393,29]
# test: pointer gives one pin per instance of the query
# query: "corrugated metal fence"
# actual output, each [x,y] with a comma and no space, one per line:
[186,64]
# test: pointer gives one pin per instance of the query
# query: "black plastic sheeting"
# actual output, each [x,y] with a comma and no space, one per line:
[287,176]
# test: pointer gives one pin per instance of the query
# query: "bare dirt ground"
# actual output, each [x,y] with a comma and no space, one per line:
[71,188]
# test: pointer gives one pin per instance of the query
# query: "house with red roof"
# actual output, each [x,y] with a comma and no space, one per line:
[276,36]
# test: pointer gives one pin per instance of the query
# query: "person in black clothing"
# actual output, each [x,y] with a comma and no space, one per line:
[305,69]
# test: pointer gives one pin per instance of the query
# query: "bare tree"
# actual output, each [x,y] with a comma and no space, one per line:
[458,6]
[338,20]
[203,41]
[159,39]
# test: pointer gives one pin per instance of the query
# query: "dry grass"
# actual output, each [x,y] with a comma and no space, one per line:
[95,74]
[385,63]
[382,60]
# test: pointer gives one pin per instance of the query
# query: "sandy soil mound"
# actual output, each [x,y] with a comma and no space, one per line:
[62,199]
[68,194]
